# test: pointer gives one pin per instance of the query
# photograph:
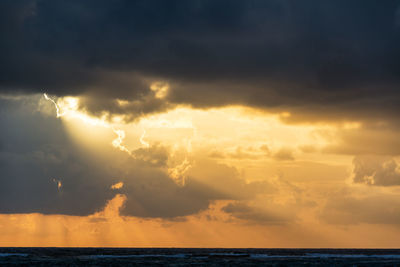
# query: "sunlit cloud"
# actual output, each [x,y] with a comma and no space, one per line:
[118,141]
[160,89]
[68,107]
[142,141]
[178,172]
[271,162]
[59,113]
[118,185]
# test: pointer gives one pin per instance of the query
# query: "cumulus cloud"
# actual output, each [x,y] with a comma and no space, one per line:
[376,170]
[151,192]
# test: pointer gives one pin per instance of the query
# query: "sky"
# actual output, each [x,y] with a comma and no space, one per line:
[200,123]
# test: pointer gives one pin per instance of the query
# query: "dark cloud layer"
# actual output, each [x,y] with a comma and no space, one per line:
[320,59]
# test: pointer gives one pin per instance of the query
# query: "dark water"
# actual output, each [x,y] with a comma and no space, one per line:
[202,257]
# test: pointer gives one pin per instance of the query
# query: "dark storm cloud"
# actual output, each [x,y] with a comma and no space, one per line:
[320,59]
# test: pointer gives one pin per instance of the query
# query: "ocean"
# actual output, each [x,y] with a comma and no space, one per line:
[197,256]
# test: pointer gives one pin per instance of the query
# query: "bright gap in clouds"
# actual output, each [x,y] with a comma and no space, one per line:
[232,135]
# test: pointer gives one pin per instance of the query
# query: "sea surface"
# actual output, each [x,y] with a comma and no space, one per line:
[197,256]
